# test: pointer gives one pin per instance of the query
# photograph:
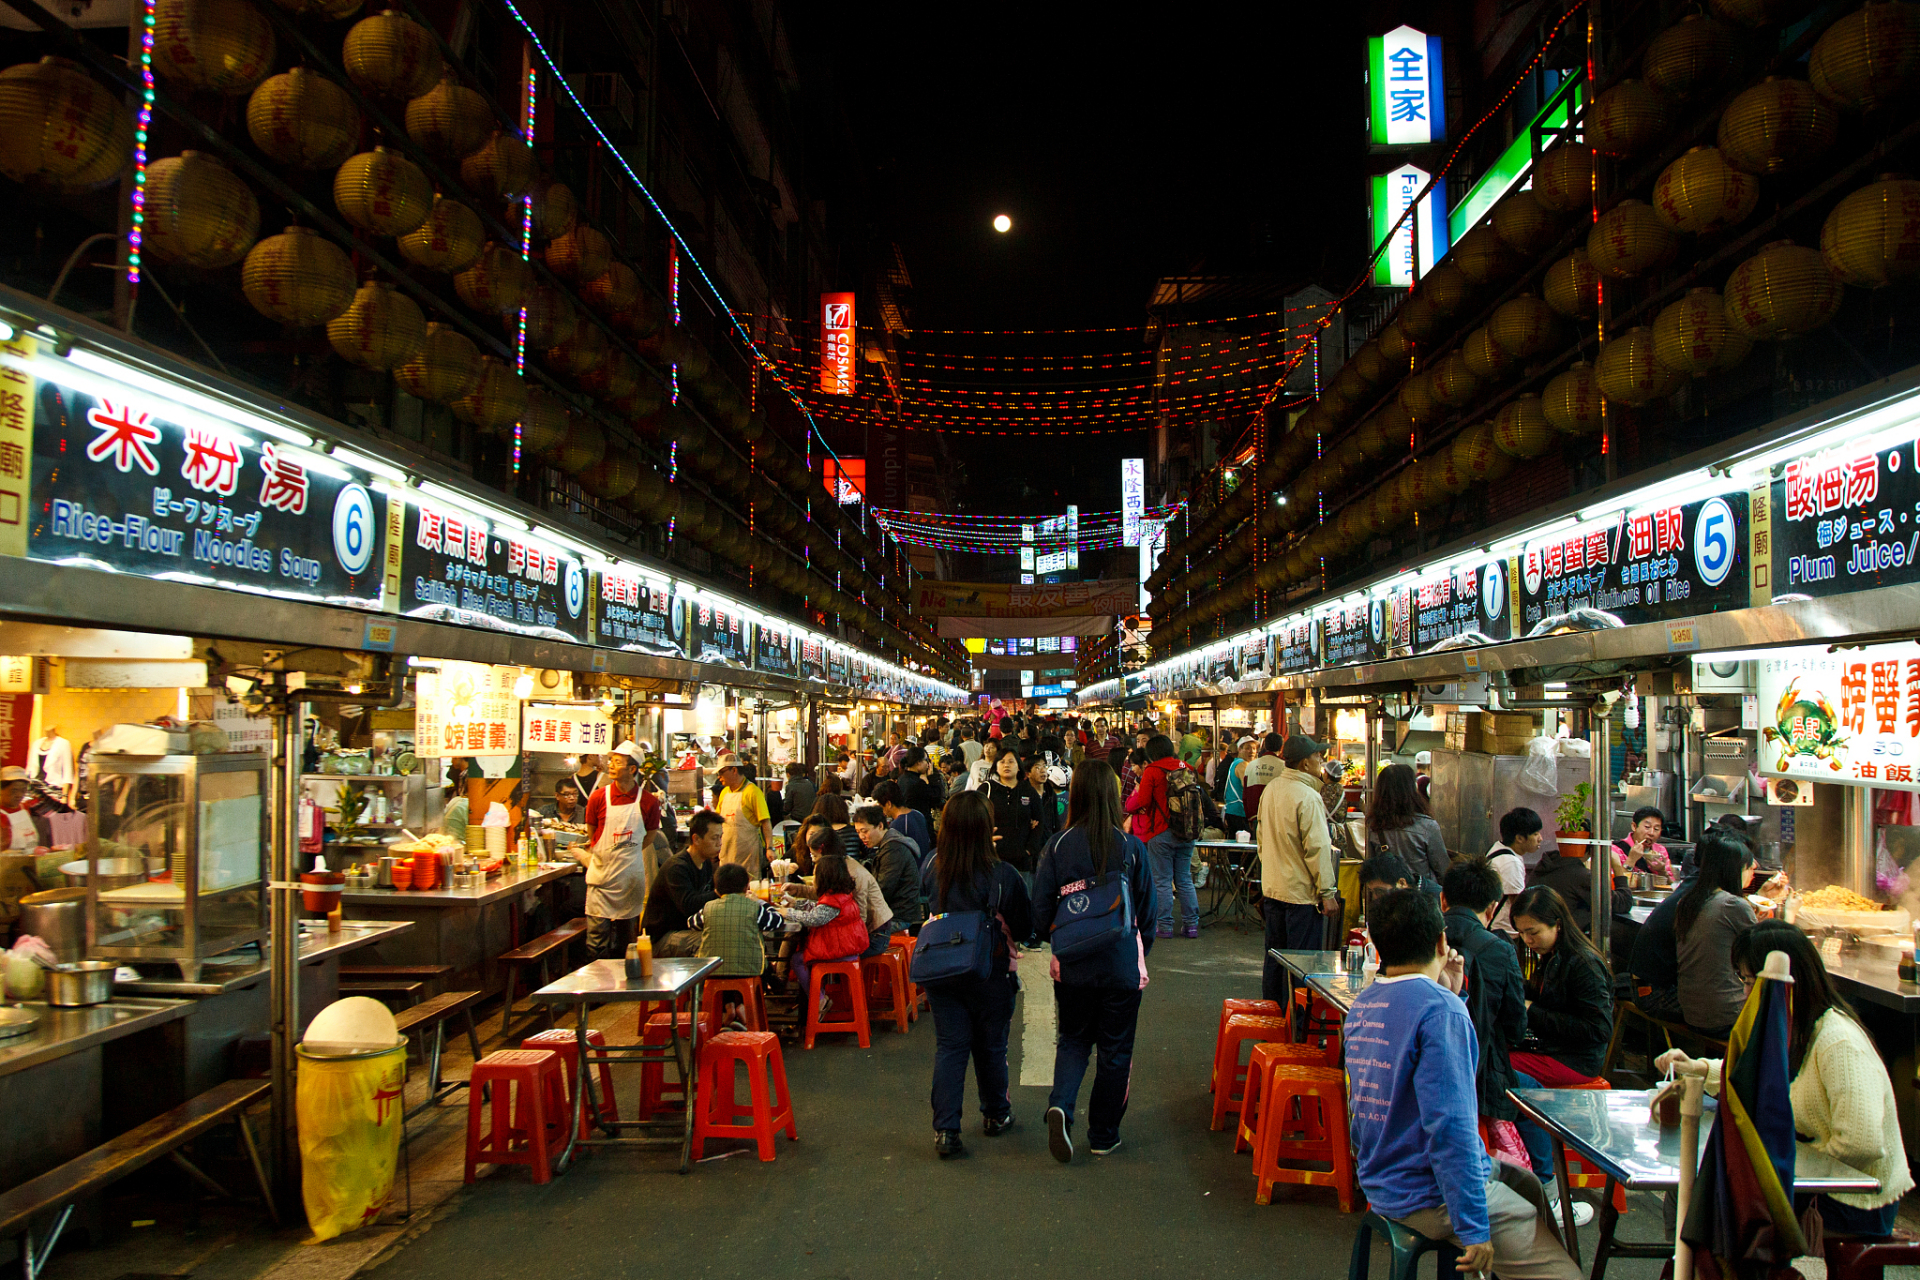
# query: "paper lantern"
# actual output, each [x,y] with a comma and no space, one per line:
[497,281]
[1524,224]
[501,168]
[496,401]
[446,367]
[1872,238]
[1474,453]
[1781,291]
[1572,401]
[551,317]
[1776,126]
[298,278]
[303,120]
[1692,336]
[1419,486]
[555,211]
[1521,429]
[1628,373]
[1760,13]
[1449,477]
[584,446]
[1419,319]
[1870,57]
[449,121]
[1629,240]
[1700,192]
[583,254]
[1350,524]
[1484,357]
[1371,365]
[449,240]
[616,378]
[1454,384]
[645,319]
[1447,289]
[1689,56]
[1627,119]
[613,477]
[1416,397]
[649,490]
[1388,434]
[198,212]
[381,330]
[1572,286]
[1345,394]
[60,130]
[1563,178]
[382,192]
[543,427]
[1394,345]
[217,46]
[391,56]
[1523,326]
[1485,257]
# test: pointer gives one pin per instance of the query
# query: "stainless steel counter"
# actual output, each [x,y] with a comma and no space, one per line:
[66,1031]
[248,967]
[497,888]
[1863,976]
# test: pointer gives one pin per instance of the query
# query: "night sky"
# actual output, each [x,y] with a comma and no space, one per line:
[1126,145]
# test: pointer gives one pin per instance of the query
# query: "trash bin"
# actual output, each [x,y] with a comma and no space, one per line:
[349,1103]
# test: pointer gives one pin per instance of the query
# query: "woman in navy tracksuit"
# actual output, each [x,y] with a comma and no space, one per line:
[972,1016]
[1097,997]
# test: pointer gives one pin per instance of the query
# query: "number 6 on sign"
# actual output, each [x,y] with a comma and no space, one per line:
[353,528]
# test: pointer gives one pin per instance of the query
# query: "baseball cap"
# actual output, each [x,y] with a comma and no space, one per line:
[1423,757]
[630,750]
[1299,747]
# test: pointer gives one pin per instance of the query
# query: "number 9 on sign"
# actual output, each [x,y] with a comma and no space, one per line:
[1713,532]
[353,528]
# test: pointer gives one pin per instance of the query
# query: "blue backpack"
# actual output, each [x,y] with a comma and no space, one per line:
[1094,914]
[957,944]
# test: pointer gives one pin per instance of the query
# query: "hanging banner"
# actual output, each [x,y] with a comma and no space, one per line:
[115,486]
[774,650]
[1851,716]
[1406,89]
[640,615]
[1846,522]
[1644,566]
[565,729]
[887,467]
[465,708]
[715,634]
[455,568]
[836,343]
[18,394]
[16,728]
[1469,603]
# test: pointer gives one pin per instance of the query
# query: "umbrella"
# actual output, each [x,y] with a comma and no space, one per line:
[1740,1224]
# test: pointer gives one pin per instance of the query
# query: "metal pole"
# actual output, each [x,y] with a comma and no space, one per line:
[1856,849]
[284,940]
[1692,1090]
[1599,853]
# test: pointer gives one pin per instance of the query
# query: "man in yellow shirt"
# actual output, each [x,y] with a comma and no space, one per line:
[748,832]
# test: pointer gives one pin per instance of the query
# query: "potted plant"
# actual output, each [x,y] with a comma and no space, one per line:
[1571,818]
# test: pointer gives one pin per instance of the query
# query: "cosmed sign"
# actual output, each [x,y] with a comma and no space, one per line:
[1851,716]
[1846,522]
[836,343]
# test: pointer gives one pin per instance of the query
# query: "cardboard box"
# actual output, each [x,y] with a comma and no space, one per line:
[1507,724]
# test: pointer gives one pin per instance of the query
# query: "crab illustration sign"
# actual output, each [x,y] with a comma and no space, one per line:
[1851,716]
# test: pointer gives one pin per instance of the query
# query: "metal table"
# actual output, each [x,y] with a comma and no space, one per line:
[1236,878]
[1340,989]
[1611,1130]
[606,982]
[1302,963]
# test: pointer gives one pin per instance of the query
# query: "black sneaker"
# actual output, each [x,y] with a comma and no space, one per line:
[947,1143]
[1059,1141]
[994,1128]
[1107,1150]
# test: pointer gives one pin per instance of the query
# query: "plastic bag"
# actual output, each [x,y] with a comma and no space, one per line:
[349,1112]
[1540,775]
[26,976]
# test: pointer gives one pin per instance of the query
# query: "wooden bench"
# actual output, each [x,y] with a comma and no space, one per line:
[407,991]
[538,952]
[161,1137]
[432,1015]
[430,974]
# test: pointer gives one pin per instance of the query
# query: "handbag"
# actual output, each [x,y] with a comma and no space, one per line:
[1093,914]
[956,944]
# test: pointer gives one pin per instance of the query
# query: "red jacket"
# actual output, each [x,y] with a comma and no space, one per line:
[846,936]
[1148,803]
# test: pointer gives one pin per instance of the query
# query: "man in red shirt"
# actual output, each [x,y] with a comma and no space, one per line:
[616,867]
[1169,854]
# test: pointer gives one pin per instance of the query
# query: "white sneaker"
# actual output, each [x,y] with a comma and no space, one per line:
[1582,1212]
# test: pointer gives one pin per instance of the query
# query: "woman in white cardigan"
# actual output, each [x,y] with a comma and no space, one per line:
[1842,1099]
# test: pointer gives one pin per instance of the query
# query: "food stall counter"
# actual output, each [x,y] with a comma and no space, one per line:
[243,969]
[60,1032]
[469,928]
[509,882]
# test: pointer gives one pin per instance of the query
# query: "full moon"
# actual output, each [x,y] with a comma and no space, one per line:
[1003,224]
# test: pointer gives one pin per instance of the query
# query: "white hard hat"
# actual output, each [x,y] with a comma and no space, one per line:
[1423,757]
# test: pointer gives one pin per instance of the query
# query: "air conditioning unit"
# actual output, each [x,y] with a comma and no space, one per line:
[1725,676]
[1463,693]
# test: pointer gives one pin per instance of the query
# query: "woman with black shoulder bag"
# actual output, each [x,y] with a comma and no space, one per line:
[1093,902]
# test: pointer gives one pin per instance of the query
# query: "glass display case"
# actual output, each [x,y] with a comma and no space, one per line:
[177,867]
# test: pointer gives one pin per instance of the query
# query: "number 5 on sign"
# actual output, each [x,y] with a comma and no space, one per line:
[1713,531]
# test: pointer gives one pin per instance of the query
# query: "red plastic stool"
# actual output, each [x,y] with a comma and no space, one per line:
[529,1117]
[567,1045]
[649,1009]
[848,971]
[1322,1018]
[1583,1175]
[1865,1259]
[1315,1100]
[1229,1077]
[655,1091]
[1228,1008]
[719,1109]
[904,943]
[886,978]
[713,993]
[1266,1056]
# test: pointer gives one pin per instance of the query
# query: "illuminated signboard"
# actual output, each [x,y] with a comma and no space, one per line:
[1406,89]
[1133,499]
[1506,170]
[845,478]
[1848,715]
[1393,194]
[836,343]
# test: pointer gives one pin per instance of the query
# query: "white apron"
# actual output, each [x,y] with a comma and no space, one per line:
[616,876]
[741,840]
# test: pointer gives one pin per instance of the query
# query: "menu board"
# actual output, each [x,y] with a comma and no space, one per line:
[1646,566]
[639,615]
[1846,522]
[1351,633]
[1253,658]
[465,708]
[1851,716]
[1220,665]
[565,729]
[716,635]
[1468,602]
[455,568]
[813,658]
[1294,643]
[839,671]
[116,485]
[774,650]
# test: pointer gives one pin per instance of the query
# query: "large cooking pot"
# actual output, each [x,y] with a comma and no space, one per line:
[71,986]
[58,917]
[115,873]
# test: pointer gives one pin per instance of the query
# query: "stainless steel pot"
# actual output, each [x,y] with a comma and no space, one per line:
[58,917]
[70,986]
[115,873]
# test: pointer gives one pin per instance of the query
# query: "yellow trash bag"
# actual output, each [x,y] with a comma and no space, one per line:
[349,1110]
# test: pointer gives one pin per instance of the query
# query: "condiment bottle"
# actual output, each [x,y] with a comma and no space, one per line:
[643,945]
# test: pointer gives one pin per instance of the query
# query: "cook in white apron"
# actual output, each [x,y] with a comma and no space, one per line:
[741,840]
[616,878]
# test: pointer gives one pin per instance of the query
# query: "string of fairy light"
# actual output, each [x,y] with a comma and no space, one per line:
[529,117]
[1008,535]
[142,124]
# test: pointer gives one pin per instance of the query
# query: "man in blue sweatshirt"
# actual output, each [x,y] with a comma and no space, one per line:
[1412,1057]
